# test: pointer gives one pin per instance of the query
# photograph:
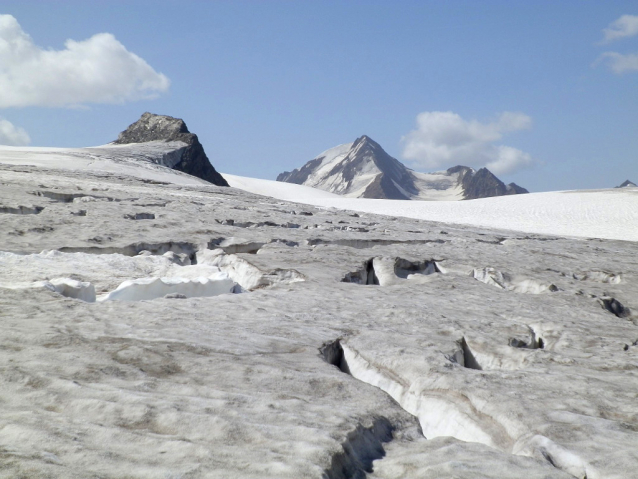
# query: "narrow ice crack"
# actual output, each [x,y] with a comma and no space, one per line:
[469,361]
[178,247]
[386,271]
[535,341]
[359,243]
[22,210]
[362,446]
[360,449]
[449,413]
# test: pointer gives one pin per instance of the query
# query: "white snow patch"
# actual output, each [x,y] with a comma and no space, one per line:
[438,186]
[152,160]
[609,213]
[330,159]
[151,288]
[285,191]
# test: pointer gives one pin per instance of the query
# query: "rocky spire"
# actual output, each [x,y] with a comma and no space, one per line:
[151,127]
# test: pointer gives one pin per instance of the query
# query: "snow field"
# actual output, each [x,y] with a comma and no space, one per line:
[608,214]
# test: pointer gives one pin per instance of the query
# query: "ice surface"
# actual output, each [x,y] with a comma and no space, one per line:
[488,381]
[151,160]
[68,287]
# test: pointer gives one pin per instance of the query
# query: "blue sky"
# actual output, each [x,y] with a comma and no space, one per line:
[531,89]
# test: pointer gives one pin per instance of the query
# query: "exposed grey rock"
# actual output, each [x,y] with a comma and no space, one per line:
[364,170]
[514,189]
[483,183]
[299,176]
[193,159]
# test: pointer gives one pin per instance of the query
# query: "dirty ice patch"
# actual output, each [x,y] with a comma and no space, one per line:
[67,287]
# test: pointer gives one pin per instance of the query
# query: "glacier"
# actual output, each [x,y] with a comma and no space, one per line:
[499,339]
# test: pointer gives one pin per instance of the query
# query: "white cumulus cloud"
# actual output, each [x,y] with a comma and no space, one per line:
[443,139]
[618,62]
[623,27]
[97,70]
[12,135]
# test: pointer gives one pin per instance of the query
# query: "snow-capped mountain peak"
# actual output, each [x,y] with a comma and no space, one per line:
[362,169]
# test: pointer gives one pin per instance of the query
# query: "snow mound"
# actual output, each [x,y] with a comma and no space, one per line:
[152,288]
[247,275]
[505,281]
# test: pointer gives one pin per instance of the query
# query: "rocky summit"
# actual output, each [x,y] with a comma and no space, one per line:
[627,184]
[482,183]
[193,159]
[363,169]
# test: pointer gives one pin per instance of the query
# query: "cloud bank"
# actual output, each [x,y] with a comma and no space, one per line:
[623,27]
[97,70]
[12,135]
[443,139]
[618,62]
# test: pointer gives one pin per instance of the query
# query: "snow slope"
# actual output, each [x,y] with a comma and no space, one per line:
[151,160]
[610,213]
[438,186]
[279,189]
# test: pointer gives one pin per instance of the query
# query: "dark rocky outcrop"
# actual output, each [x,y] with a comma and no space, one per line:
[300,175]
[627,184]
[514,189]
[151,127]
[483,183]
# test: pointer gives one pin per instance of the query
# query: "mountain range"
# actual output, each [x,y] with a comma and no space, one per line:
[363,169]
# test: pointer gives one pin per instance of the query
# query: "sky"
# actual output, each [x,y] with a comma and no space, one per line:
[543,93]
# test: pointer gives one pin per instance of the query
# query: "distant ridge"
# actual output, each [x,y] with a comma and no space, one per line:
[363,169]
[193,160]
[627,184]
